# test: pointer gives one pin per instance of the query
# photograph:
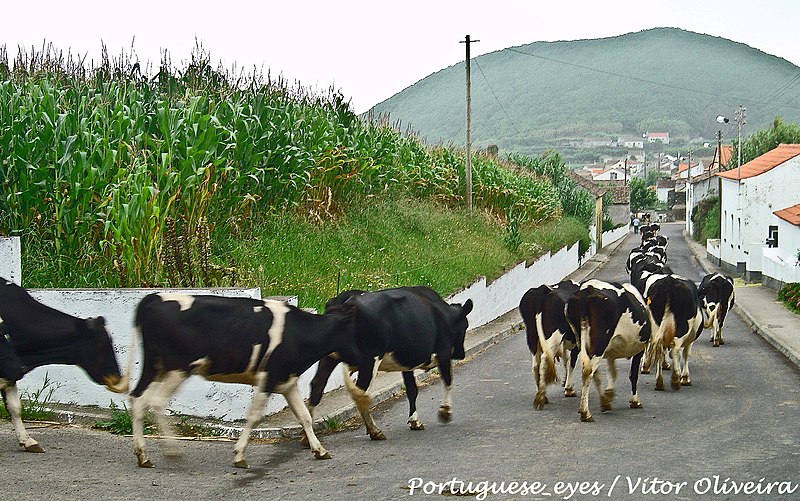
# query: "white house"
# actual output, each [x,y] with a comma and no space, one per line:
[751,195]
[662,137]
[781,263]
[612,174]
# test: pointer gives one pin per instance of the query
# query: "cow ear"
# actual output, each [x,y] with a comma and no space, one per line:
[467,307]
[96,323]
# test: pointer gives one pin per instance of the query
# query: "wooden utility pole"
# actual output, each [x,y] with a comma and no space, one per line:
[468,164]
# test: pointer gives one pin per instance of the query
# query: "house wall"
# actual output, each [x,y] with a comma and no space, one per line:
[745,227]
[781,264]
[10,262]
[698,192]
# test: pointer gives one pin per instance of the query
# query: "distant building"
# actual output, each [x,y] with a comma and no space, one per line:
[660,137]
[663,188]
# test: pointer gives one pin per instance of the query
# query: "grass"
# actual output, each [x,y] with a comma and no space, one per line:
[35,404]
[789,295]
[388,243]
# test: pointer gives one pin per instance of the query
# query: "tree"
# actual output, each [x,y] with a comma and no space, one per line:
[767,139]
[642,197]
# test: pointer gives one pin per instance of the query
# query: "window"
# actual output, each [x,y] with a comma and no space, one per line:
[772,239]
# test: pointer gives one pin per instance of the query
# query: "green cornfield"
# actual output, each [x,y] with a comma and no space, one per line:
[128,179]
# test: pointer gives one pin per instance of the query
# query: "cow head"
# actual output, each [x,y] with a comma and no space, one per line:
[11,369]
[95,354]
[460,325]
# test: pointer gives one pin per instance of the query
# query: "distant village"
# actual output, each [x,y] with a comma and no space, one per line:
[673,173]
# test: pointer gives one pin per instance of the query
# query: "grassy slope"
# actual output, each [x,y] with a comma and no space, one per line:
[387,244]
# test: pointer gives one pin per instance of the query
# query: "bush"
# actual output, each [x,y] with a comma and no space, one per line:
[789,295]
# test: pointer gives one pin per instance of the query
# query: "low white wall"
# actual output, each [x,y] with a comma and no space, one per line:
[10,259]
[778,268]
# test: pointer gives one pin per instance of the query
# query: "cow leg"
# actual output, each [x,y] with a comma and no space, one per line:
[324,369]
[588,371]
[300,411]
[411,393]
[358,392]
[445,412]
[634,378]
[541,389]
[607,396]
[675,379]
[159,401]
[569,366]
[254,412]
[659,353]
[139,408]
[14,408]
[685,379]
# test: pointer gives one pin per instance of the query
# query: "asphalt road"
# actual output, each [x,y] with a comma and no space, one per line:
[736,424]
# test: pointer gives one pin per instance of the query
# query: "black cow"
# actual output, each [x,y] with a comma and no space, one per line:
[400,329]
[612,322]
[548,332]
[675,307]
[264,343]
[41,335]
[716,299]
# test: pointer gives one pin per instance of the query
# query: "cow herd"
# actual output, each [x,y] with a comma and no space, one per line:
[653,321]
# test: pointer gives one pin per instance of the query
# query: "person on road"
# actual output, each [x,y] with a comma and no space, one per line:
[636,225]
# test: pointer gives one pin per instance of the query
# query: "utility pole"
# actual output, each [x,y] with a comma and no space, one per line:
[468,164]
[740,114]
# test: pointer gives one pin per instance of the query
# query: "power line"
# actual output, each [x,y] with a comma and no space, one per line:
[496,98]
[644,80]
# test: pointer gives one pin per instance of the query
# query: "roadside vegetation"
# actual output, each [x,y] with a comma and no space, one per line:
[789,295]
[117,176]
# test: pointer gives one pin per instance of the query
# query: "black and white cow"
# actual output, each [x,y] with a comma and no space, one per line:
[263,343]
[549,335]
[400,329]
[40,335]
[678,321]
[716,300]
[644,268]
[612,322]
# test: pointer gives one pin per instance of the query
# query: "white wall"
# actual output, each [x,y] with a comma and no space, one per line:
[10,259]
[781,263]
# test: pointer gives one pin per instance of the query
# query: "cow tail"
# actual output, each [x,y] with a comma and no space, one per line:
[547,354]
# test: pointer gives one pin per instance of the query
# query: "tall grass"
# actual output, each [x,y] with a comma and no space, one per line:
[120,178]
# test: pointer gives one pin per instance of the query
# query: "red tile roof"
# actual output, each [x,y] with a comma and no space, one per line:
[764,163]
[790,214]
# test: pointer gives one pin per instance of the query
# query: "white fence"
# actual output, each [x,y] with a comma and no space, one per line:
[229,401]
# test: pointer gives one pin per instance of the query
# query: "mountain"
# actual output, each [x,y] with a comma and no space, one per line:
[547,94]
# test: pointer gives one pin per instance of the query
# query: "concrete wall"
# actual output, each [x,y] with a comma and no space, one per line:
[781,265]
[10,259]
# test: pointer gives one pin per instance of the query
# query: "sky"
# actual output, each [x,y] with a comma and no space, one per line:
[371,50]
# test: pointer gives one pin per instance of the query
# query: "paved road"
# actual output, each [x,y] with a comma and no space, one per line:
[736,424]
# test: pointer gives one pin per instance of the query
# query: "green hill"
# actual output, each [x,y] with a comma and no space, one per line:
[545,94]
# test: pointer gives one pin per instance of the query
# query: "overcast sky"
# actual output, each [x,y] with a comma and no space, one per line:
[371,50]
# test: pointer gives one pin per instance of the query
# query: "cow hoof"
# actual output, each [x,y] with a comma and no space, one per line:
[241,464]
[676,384]
[721,341]
[659,385]
[586,418]
[377,435]
[635,404]
[445,416]
[322,455]
[146,464]
[539,401]
[646,370]
[685,381]
[34,448]
[416,425]
[715,344]
[569,392]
